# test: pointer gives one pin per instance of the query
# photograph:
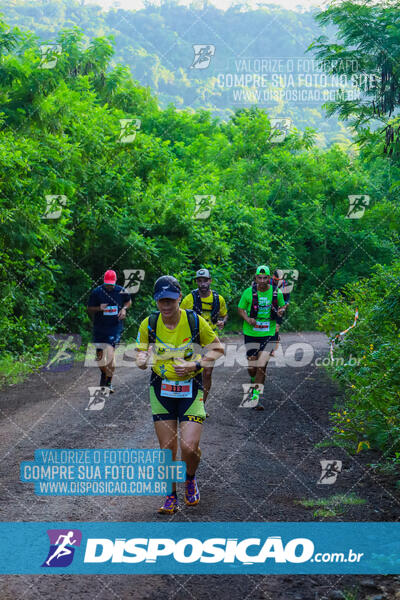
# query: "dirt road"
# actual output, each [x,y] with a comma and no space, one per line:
[256,466]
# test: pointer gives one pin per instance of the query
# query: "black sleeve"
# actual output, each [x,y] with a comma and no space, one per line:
[93,299]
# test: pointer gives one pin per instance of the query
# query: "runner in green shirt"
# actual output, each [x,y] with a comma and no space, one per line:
[259,309]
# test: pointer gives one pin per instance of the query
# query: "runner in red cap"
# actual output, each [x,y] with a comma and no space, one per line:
[107,306]
[110,277]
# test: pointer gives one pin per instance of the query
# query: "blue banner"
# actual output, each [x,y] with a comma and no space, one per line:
[209,548]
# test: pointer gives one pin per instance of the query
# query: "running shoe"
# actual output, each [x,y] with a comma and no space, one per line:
[192,492]
[170,505]
[110,386]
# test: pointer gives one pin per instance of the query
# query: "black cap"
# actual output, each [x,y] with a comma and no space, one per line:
[166,287]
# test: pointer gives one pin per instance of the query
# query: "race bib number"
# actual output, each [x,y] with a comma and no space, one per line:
[177,389]
[110,311]
[261,326]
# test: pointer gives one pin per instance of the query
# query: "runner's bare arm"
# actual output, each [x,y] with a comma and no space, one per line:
[215,350]
[221,321]
[122,312]
[244,315]
[142,357]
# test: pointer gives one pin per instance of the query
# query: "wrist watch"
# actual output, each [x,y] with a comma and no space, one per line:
[198,365]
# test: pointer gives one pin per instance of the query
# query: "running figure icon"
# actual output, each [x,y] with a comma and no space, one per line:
[62,549]
[330,471]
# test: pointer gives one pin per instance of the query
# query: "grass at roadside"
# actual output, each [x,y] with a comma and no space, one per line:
[14,370]
[331,507]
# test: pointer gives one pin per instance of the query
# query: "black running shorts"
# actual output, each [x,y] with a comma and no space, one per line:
[254,345]
[166,405]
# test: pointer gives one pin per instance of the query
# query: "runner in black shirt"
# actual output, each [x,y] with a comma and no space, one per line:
[107,305]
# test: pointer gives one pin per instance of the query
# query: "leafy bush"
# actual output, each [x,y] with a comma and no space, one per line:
[131,206]
[370,414]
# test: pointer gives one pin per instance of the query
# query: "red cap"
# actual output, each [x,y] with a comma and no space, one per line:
[110,277]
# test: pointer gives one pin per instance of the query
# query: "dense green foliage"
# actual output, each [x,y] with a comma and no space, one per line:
[362,52]
[155,43]
[369,417]
[132,206]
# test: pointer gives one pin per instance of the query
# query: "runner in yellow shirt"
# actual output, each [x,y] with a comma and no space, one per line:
[176,393]
[212,307]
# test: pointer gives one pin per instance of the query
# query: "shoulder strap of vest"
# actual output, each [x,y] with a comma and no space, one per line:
[274,303]
[215,307]
[152,326]
[254,304]
[196,302]
[193,320]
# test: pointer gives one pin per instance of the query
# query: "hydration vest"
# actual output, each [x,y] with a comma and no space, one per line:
[255,304]
[197,305]
[193,321]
